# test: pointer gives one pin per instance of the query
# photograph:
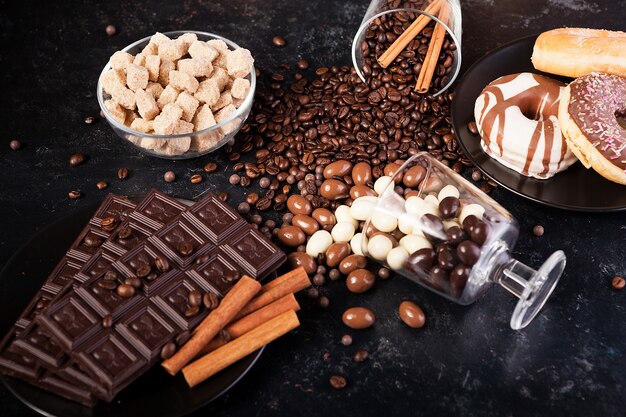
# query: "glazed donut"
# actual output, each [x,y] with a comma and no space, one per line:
[588,115]
[516,116]
[575,52]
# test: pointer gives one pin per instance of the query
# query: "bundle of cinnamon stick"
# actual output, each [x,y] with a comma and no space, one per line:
[247,318]
[440,8]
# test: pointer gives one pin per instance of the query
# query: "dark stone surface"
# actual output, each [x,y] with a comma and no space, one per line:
[466,361]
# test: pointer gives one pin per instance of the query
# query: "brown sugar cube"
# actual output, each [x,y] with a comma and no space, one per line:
[220,61]
[112,79]
[164,71]
[204,118]
[218,44]
[136,77]
[224,100]
[140,59]
[120,59]
[183,81]
[239,63]
[152,64]
[154,144]
[183,127]
[208,92]
[159,38]
[130,117]
[223,115]
[168,96]
[142,125]
[196,67]
[220,76]
[172,50]
[240,88]
[146,105]
[124,97]
[155,89]
[189,105]
[165,123]
[187,39]
[115,110]
[150,49]
[200,49]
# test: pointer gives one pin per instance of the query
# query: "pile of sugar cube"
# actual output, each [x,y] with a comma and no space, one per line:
[177,86]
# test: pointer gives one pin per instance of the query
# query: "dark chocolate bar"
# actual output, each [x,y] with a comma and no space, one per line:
[36,346]
[198,251]
[15,363]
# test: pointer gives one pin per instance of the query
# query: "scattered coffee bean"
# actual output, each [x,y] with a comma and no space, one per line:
[360,355]
[185,248]
[107,284]
[168,350]
[109,223]
[162,264]
[223,196]
[471,126]
[125,232]
[196,179]
[77,159]
[183,338]
[210,167]
[74,194]
[125,290]
[538,230]
[194,298]
[302,64]
[122,173]
[102,185]
[107,321]
[279,41]
[210,300]
[346,340]
[110,30]
[476,175]
[142,270]
[15,145]
[134,282]
[192,311]
[169,176]
[92,241]
[338,382]
[90,120]
[618,283]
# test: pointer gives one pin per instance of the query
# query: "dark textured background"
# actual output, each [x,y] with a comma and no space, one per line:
[466,361]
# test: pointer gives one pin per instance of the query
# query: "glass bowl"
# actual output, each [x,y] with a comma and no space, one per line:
[215,136]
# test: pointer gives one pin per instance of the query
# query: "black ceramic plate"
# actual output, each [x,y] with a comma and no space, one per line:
[576,188]
[155,393]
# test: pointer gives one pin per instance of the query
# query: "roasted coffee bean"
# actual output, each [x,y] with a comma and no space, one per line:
[74,194]
[107,284]
[185,248]
[192,311]
[102,185]
[338,382]
[231,276]
[90,120]
[538,230]
[162,264]
[618,283]
[133,281]
[92,241]
[125,290]
[196,179]
[252,198]
[15,145]
[142,270]
[210,300]
[263,204]
[194,298]
[107,321]
[122,173]
[411,314]
[125,232]
[77,159]
[169,176]
[183,338]
[476,175]
[168,350]
[471,126]
[110,275]
[210,167]
[358,318]
[303,64]
[109,223]
[279,41]
[223,196]
[360,355]
[110,30]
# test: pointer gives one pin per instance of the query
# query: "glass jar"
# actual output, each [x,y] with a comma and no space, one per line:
[437,229]
[380,12]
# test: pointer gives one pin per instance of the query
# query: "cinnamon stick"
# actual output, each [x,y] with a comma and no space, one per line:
[243,291]
[408,35]
[291,282]
[249,322]
[432,55]
[230,353]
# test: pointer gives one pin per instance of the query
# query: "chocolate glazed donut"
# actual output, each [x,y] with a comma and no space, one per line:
[517,119]
[588,114]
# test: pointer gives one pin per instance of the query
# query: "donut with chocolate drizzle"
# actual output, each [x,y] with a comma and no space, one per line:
[516,117]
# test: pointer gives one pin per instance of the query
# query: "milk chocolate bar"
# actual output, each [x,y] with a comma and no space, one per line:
[198,251]
[36,347]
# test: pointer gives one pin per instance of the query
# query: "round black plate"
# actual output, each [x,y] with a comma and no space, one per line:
[576,188]
[155,393]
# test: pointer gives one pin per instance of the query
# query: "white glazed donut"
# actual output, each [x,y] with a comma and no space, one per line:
[516,116]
